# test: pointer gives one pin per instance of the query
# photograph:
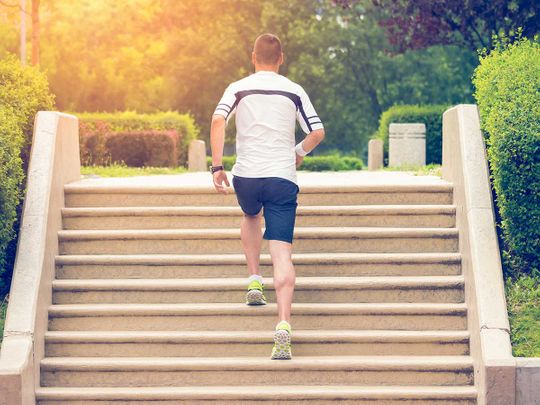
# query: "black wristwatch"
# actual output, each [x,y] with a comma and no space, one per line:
[214,169]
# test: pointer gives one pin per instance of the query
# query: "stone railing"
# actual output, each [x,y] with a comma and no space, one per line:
[54,161]
[501,379]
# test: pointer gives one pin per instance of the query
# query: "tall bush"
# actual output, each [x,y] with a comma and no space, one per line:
[507,85]
[25,89]
[430,115]
[11,177]
[23,92]
[130,121]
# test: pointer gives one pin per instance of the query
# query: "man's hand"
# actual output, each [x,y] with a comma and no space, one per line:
[299,160]
[220,177]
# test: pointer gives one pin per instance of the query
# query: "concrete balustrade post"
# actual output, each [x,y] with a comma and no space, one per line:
[197,156]
[375,154]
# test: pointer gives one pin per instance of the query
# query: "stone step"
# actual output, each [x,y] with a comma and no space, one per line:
[307,289]
[234,265]
[206,371]
[256,394]
[310,239]
[254,343]
[238,316]
[425,216]
[122,195]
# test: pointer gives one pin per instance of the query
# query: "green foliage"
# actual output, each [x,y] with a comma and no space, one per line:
[136,149]
[523,299]
[3,310]
[120,169]
[430,115]
[331,163]
[26,91]
[103,124]
[23,92]
[12,175]
[507,92]
[312,163]
[152,55]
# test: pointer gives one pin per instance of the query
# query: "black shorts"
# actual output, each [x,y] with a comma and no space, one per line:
[277,195]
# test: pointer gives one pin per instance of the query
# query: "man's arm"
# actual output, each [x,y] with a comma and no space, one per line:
[221,116]
[309,143]
[217,139]
[217,142]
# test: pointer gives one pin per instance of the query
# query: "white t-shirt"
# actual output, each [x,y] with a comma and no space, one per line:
[267,106]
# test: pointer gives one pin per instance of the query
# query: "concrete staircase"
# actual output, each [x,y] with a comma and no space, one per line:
[148,300]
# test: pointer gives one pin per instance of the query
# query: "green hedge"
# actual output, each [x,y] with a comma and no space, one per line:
[11,175]
[25,89]
[23,92]
[430,115]
[134,149]
[312,163]
[507,92]
[130,121]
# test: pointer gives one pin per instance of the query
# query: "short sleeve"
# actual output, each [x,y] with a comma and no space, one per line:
[306,114]
[227,103]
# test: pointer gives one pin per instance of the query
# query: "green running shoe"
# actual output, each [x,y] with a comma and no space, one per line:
[282,342]
[255,294]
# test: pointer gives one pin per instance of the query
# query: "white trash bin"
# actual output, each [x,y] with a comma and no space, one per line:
[407,144]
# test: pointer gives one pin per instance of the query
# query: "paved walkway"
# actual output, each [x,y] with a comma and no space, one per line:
[342,178]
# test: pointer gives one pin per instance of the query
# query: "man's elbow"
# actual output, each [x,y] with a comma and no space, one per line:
[218,119]
[319,134]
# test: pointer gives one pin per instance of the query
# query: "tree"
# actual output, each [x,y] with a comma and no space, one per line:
[418,24]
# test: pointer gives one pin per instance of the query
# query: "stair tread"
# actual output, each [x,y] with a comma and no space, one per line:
[319,210]
[453,362]
[97,188]
[234,233]
[308,258]
[243,309]
[326,283]
[300,335]
[253,391]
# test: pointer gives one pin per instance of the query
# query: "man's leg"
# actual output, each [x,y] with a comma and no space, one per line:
[284,277]
[251,235]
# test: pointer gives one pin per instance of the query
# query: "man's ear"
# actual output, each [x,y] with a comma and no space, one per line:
[282,58]
[253,58]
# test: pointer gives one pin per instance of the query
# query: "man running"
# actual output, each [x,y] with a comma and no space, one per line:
[267,106]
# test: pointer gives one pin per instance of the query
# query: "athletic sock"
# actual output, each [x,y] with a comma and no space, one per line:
[257,277]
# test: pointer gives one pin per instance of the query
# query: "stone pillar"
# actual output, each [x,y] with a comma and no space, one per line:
[407,145]
[197,156]
[375,154]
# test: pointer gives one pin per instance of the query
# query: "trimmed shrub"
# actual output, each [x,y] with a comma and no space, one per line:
[103,124]
[23,92]
[12,175]
[507,83]
[312,163]
[145,148]
[430,115]
[25,89]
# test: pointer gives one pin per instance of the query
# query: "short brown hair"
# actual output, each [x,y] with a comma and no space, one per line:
[267,49]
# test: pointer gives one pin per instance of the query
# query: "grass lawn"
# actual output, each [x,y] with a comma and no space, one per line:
[121,170]
[432,169]
[523,300]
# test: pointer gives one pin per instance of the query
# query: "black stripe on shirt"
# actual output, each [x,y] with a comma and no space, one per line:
[222,109]
[294,97]
[226,105]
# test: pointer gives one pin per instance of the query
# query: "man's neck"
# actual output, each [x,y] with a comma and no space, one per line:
[259,68]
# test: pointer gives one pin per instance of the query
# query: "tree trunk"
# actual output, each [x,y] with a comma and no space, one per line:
[35,32]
